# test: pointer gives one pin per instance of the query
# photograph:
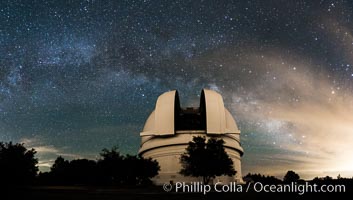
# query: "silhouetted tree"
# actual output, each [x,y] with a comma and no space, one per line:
[131,170]
[149,169]
[59,170]
[79,171]
[261,178]
[291,176]
[18,166]
[82,171]
[60,165]
[138,170]
[206,160]
[328,178]
[110,167]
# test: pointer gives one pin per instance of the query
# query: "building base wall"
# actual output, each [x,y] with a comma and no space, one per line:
[168,158]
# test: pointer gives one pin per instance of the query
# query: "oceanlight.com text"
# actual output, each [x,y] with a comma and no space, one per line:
[297,188]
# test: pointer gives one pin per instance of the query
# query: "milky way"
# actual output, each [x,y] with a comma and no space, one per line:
[80,76]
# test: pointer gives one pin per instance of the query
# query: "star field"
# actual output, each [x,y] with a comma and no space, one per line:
[80,76]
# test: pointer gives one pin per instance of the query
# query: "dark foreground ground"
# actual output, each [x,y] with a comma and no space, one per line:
[105,193]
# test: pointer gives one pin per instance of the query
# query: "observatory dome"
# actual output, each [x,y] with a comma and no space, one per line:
[169,128]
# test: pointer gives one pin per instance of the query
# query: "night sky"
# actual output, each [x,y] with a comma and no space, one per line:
[80,76]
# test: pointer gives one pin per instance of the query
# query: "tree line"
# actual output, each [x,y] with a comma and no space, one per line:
[292,176]
[18,166]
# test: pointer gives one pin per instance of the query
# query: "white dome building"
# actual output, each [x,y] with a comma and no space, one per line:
[170,128]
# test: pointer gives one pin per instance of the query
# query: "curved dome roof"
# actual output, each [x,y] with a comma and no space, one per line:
[163,120]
